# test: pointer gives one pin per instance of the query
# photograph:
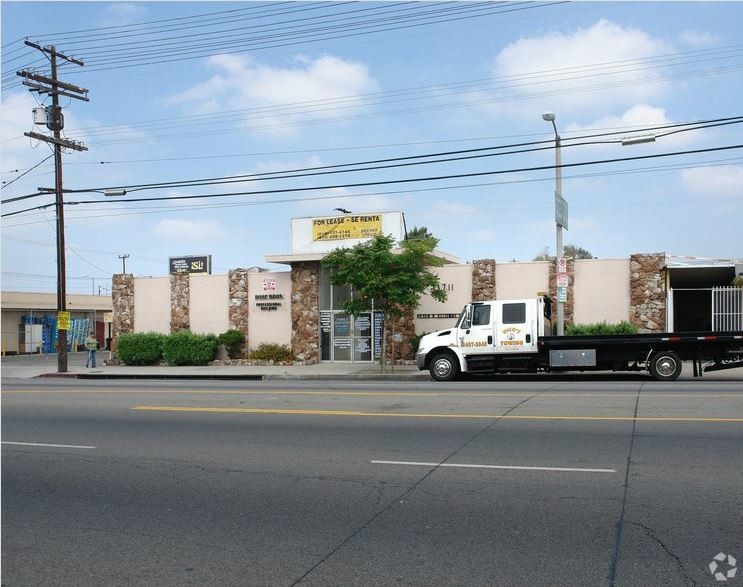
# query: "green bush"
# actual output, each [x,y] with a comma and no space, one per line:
[232,339]
[140,348]
[272,352]
[623,327]
[186,348]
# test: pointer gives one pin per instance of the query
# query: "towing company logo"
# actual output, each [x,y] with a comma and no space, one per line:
[717,566]
[512,337]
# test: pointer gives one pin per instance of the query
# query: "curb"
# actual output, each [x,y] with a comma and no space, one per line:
[424,376]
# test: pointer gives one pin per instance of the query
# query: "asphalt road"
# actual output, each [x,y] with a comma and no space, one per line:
[587,481]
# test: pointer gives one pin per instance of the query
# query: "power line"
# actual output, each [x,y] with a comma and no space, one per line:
[402,181]
[335,197]
[6,184]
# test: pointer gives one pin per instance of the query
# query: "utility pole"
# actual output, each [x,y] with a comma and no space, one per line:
[123,262]
[55,122]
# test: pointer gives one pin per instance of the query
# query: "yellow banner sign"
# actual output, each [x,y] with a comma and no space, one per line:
[346,227]
[63,320]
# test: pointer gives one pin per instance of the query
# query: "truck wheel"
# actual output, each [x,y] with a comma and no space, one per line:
[665,366]
[444,366]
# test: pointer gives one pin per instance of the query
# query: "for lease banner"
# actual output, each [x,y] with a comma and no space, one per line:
[346,227]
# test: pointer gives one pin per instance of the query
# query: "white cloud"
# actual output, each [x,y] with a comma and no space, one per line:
[188,230]
[122,13]
[639,115]
[244,83]
[722,181]
[696,38]
[547,64]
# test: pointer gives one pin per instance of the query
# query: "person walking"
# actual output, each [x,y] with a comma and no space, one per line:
[91,344]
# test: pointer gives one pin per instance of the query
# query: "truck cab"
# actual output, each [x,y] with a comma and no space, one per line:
[509,328]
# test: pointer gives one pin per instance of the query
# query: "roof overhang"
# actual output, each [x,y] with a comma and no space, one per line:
[288,259]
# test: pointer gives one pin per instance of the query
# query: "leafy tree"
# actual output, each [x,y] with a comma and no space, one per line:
[418,233]
[393,279]
[573,251]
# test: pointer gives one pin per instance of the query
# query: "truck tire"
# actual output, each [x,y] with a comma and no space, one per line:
[665,366]
[444,366]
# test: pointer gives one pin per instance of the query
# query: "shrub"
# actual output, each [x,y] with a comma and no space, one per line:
[416,341]
[272,352]
[232,339]
[140,348]
[186,348]
[737,281]
[623,327]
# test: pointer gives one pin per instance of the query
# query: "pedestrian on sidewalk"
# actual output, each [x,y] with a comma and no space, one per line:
[91,344]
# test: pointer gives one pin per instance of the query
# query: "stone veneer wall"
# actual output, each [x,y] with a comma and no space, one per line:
[648,291]
[179,302]
[239,303]
[306,310]
[483,280]
[404,325]
[569,305]
[122,298]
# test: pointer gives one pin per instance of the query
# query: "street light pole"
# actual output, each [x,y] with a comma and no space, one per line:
[550,117]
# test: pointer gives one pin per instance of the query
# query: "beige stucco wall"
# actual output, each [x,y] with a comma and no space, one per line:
[516,281]
[270,326]
[457,280]
[152,304]
[24,300]
[209,304]
[601,290]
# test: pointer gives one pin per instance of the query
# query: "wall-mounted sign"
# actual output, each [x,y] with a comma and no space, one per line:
[346,227]
[445,316]
[269,284]
[195,264]
[268,302]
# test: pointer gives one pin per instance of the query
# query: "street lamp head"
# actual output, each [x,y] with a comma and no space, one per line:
[549,116]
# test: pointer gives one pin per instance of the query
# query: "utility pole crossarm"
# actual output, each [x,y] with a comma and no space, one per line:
[74,145]
[49,81]
[53,51]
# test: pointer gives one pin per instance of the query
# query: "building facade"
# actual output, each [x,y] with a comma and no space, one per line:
[301,309]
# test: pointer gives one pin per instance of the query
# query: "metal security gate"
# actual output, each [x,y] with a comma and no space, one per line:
[727,308]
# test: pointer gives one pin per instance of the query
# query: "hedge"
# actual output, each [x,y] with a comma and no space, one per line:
[232,339]
[140,348]
[623,327]
[186,348]
[272,352]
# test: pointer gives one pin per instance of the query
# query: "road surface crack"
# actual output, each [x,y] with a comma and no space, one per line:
[651,534]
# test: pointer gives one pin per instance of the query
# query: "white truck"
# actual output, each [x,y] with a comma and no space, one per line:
[510,336]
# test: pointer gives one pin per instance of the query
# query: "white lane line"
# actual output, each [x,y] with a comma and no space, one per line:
[42,444]
[510,467]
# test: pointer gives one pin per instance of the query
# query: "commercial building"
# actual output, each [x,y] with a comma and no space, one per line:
[301,309]
[29,321]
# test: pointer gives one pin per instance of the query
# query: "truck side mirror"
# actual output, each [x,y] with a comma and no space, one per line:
[467,322]
[547,308]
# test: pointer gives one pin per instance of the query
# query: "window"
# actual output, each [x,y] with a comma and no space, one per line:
[514,313]
[481,315]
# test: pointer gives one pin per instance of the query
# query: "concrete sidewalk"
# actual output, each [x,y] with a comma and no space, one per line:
[30,366]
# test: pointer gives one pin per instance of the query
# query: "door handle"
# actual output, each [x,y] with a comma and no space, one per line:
[468,331]
[528,338]
[490,339]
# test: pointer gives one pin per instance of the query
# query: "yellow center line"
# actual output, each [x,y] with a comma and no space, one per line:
[307,412]
[631,394]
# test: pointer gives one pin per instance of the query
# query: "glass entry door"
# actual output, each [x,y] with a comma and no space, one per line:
[347,338]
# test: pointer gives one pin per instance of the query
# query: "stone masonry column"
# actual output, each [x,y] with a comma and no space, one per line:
[239,303]
[570,304]
[122,297]
[483,280]
[405,326]
[179,302]
[305,309]
[647,290]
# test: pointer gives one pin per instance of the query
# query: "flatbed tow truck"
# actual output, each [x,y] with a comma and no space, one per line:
[508,336]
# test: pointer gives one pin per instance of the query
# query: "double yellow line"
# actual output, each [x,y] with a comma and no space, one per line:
[355,413]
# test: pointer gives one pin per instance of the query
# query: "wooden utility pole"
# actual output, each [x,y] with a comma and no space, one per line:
[55,122]
[123,262]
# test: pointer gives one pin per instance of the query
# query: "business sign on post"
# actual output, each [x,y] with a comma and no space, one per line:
[63,320]
[561,211]
[349,226]
[191,264]
[562,294]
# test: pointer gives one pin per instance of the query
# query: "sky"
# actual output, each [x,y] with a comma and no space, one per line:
[199,90]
